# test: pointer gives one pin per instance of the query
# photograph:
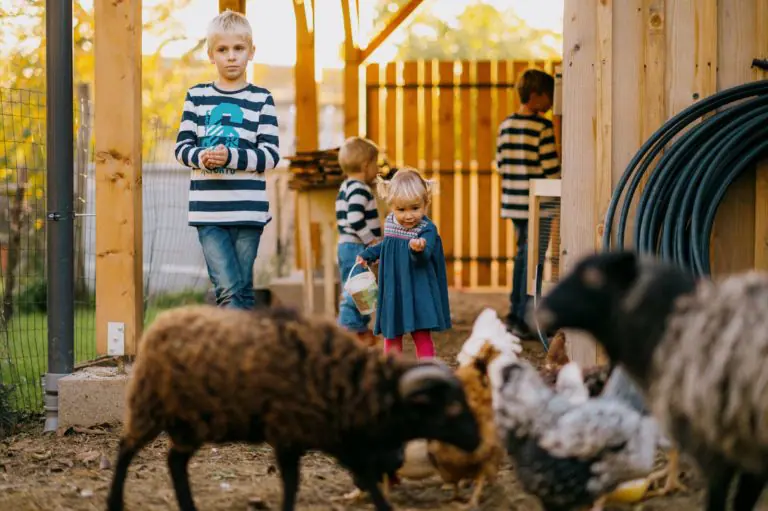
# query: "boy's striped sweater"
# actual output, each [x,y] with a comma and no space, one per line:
[525,150]
[244,121]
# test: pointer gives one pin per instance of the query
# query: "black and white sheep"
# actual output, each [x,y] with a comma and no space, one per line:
[205,374]
[698,350]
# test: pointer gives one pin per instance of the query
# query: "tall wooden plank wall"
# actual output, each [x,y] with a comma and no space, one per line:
[442,118]
[628,66]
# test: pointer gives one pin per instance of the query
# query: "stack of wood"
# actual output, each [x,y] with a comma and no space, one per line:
[314,169]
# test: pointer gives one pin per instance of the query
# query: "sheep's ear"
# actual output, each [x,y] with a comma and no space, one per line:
[622,267]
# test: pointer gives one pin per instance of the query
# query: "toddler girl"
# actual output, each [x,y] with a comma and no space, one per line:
[413,288]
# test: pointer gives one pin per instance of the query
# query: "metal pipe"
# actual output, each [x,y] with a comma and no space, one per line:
[60,202]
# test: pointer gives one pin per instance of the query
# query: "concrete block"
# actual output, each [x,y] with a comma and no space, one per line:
[92,396]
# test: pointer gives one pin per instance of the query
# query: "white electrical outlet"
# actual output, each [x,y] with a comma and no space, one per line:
[115,339]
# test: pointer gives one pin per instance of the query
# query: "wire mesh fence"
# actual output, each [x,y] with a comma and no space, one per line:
[22,243]
[174,268]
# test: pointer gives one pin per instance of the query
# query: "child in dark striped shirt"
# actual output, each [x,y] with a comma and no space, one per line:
[525,150]
[228,136]
[357,218]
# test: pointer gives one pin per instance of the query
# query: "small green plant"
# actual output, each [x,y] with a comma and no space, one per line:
[8,417]
[33,297]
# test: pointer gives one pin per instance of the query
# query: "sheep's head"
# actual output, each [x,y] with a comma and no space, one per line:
[590,295]
[436,407]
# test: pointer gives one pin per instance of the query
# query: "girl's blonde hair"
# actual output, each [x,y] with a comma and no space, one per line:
[406,184]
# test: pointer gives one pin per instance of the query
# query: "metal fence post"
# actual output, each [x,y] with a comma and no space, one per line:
[60,202]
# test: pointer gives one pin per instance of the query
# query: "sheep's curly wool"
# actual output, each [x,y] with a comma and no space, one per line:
[710,365]
[199,366]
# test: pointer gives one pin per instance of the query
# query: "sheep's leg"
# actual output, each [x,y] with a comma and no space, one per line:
[749,488]
[717,488]
[288,462]
[178,461]
[369,484]
[124,457]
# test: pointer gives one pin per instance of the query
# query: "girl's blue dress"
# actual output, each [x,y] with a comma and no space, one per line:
[413,287]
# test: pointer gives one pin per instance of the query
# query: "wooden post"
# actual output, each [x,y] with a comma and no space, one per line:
[306,131]
[733,237]
[304,77]
[604,119]
[232,5]
[352,61]
[119,256]
[579,152]
[761,185]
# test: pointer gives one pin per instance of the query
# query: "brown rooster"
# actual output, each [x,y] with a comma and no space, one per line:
[594,376]
[481,465]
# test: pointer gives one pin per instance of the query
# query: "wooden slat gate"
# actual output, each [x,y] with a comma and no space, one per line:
[442,117]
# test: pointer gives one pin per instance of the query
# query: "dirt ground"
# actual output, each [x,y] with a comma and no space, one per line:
[73,472]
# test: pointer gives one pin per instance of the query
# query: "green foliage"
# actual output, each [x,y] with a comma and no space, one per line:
[480,32]
[170,300]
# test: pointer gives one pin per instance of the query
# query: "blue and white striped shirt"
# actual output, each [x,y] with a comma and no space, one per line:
[357,214]
[244,121]
[525,150]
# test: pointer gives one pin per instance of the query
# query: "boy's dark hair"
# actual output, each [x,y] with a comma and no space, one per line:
[535,80]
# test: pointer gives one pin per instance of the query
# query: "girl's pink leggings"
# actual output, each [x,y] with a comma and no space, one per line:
[425,348]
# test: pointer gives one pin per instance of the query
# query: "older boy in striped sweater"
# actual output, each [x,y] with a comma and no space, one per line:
[525,150]
[357,218]
[229,137]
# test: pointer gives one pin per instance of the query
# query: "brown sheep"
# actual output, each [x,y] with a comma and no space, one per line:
[211,375]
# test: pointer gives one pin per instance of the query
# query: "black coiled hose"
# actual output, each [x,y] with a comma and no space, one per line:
[676,210]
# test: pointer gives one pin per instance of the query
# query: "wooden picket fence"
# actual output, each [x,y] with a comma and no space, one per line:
[442,118]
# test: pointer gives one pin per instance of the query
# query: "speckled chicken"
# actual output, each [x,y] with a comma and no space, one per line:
[570,451]
[489,338]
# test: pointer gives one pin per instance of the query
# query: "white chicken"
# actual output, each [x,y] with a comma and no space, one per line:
[488,328]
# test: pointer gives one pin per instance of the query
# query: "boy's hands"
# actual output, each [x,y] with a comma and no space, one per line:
[214,158]
[361,262]
[418,244]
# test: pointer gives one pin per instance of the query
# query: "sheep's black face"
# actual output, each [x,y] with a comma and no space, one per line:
[436,409]
[589,297]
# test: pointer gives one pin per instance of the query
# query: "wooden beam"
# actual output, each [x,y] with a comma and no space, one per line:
[580,97]
[119,256]
[628,78]
[604,139]
[304,76]
[761,185]
[395,22]
[733,238]
[351,70]
[232,5]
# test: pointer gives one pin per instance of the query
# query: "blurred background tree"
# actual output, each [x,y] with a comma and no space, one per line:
[481,31]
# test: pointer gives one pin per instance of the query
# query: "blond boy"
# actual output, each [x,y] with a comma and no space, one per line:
[228,136]
[357,219]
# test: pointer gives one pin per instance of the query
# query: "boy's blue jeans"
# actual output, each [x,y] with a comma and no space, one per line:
[349,317]
[518,298]
[229,255]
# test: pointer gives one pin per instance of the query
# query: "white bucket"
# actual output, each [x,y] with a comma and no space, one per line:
[363,290]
